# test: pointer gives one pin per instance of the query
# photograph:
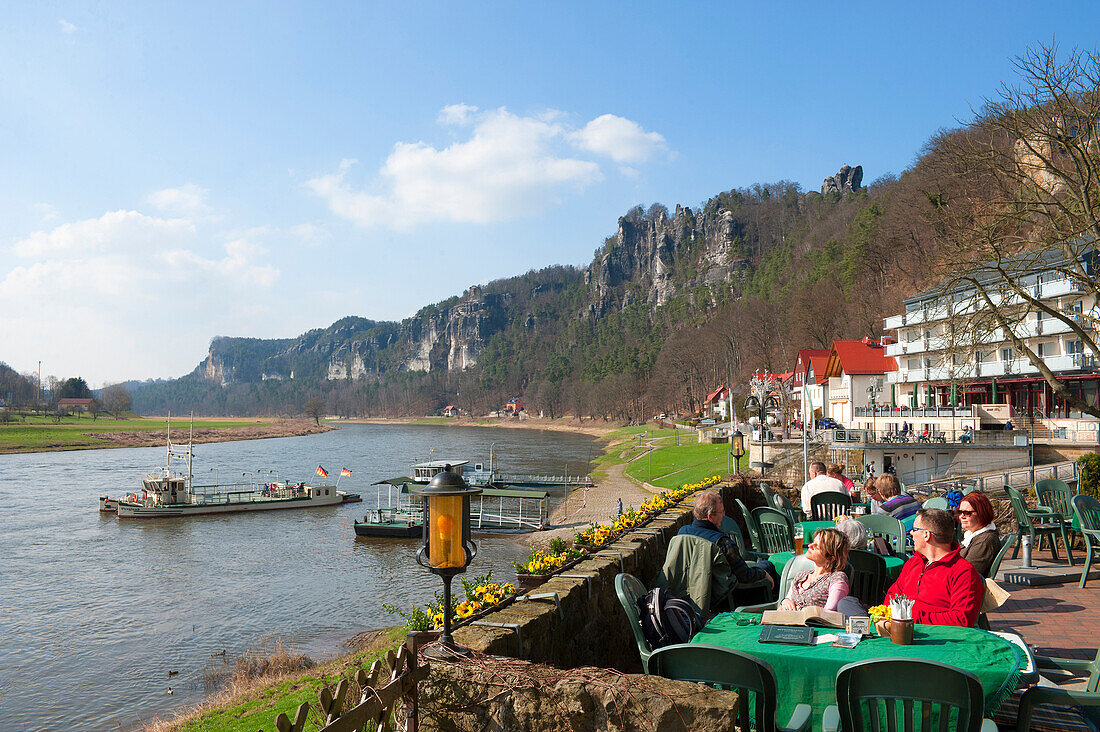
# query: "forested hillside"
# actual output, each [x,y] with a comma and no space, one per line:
[671,305]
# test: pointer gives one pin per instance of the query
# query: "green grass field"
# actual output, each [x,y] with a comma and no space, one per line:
[74,433]
[671,465]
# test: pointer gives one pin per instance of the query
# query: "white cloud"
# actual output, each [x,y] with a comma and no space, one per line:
[114,229]
[620,139]
[132,294]
[186,200]
[510,166]
[66,27]
[456,114]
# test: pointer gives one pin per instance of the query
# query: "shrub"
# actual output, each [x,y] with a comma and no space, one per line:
[1089,466]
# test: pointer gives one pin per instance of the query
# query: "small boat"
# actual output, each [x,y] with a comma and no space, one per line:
[108,504]
[390,523]
[170,492]
[349,497]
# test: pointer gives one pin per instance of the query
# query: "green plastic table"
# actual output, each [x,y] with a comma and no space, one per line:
[893,564]
[807,674]
[809,527]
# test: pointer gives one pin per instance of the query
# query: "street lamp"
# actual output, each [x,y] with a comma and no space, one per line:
[737,450]
[872,392]
[761,400]
[447,548]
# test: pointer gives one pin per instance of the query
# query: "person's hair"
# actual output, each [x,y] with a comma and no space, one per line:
[887,485]
[818,467]
[834,545]
[869,484]
[940,524]
[706,503]
[979,503]
[855,531]
[835,470]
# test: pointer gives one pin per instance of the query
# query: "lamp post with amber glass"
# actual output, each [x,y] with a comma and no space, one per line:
[447,548]
[737,450]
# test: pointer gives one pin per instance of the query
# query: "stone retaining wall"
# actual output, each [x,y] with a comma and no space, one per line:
[587,625]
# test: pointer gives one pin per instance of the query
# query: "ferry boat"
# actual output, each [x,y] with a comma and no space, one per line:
[494,510]
[168,491]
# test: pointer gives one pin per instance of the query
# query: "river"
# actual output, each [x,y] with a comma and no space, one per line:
[96,611]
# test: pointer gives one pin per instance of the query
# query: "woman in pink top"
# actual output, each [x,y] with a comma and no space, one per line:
[835,471]
[826,585]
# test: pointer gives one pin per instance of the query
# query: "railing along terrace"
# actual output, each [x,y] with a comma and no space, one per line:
[957,437]
[917,412]
[991,483]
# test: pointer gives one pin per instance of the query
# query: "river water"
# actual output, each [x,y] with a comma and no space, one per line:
[95,612]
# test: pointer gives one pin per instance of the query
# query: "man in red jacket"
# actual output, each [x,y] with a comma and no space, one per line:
[947,589]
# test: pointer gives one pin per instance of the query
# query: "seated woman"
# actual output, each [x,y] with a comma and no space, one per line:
[980,543]
[855,531]
[825,585]
[835,471]
[887,498]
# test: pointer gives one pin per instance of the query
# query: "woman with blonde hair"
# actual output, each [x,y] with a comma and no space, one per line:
[835,471]
[825,585]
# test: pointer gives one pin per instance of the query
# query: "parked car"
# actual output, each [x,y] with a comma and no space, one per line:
[827,423]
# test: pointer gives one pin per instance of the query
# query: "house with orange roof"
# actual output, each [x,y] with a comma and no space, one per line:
[856,371]
[717,402]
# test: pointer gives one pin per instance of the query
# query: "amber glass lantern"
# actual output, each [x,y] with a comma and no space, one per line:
[448,548]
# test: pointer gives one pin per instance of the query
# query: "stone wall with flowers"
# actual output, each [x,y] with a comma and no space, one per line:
[574,618]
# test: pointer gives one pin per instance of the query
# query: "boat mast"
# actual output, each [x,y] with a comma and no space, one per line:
[190,450]
[168,457]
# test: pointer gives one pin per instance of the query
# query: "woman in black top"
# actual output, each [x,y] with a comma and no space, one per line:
[980,543]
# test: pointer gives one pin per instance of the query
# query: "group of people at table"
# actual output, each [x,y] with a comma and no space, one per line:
[945,578]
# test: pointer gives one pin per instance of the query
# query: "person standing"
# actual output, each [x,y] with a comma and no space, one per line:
[819,482]
[946,587]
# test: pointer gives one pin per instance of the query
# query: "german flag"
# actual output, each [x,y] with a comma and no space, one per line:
[322,472]
[344,472]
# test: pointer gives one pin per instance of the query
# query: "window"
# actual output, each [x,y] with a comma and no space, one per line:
[1007,355]
[980,356]
[1048,349]
[912,335]
[1075,307]
[913,363]
[927,363]
[1075,346]
[955,359]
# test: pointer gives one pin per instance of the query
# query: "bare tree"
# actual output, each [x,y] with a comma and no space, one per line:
[116,399]
[1020,195]
[315,408]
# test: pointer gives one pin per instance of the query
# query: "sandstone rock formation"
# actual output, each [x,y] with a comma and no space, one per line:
[847,180]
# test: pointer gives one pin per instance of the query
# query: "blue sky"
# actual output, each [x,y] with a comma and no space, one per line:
[176,172]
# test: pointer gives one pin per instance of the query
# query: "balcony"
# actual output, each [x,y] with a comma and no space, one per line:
[1057,288]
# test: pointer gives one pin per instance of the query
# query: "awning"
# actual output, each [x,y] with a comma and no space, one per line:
[394,481]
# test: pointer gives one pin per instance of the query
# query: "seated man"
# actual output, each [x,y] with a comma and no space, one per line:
[819,482]
[967,436]
[708,512]
[947,589]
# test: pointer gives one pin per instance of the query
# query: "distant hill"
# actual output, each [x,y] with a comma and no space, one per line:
[671,304]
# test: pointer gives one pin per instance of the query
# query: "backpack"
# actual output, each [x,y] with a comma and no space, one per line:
[666,619]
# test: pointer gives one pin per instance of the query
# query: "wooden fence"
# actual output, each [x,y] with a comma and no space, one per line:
[375,710]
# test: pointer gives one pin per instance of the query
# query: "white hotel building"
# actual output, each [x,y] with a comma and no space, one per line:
[934,365]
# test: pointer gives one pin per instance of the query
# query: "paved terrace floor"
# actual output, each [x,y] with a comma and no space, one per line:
[1057,619]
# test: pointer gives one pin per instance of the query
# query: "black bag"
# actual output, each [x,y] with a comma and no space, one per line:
[667,620]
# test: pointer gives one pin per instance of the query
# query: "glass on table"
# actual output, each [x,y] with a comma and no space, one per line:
[798,537]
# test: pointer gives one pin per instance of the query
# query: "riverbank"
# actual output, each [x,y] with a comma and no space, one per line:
[563,424]
[39,434]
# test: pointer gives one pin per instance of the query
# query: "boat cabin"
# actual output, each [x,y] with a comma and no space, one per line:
[165,489]
[424,472]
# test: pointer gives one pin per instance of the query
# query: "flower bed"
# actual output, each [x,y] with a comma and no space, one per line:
[482,596]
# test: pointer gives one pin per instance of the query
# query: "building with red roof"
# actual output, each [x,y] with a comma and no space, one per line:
[857,376]
[809,378]
[717,402]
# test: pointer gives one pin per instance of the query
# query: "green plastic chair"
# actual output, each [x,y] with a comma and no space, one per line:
[783,504]
[886,527]
[750,524]
[730,528]
[937,502]
[725,668]
[1088,700]
[769,494]
[776,530]
[828,505]
[1036,531]
[866,577]
[1087,509]
[629,588]
[910,689]
[1056,497]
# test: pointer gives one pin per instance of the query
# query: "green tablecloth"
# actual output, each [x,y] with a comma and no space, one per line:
[807,674]
[809,527]
[893,564]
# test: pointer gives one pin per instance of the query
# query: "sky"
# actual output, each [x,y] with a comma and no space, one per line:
[172,172]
